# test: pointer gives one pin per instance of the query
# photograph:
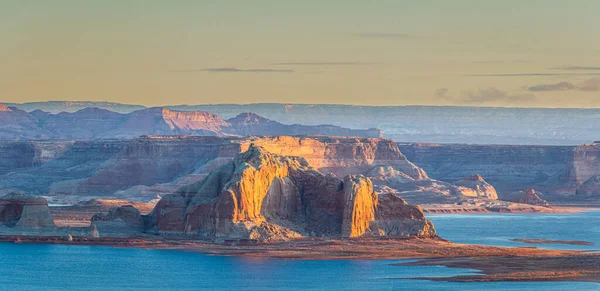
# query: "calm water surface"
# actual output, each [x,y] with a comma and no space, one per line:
[60,267]
[498,229]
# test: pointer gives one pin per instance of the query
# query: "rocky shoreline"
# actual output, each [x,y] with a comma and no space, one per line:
[497,264]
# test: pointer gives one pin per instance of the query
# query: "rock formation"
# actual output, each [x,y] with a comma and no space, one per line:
[476,187]
[149,167]
[530,197]
[264,196]
[96,123]
[119,220]
[25,212]
[146,167]
[580,176]
[508,168]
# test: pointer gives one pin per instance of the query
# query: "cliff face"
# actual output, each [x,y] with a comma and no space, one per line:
[43,167]
[158,165]
[507,167]
[25,212]
[579,177]
[260,195]
[143,168]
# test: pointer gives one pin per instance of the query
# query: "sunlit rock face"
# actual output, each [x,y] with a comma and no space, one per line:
[157,165]
[476,186]
[265,196]
[25,212]
[529,196]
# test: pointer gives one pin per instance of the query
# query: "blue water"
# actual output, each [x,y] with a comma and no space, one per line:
[61,267]
[498,229]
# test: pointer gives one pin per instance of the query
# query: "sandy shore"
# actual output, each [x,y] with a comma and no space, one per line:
[496,263]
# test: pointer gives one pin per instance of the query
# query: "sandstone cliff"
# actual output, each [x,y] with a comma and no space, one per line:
[146,168]
[476,186]
[25,212]
[265,196]
[151,166]
[579,177]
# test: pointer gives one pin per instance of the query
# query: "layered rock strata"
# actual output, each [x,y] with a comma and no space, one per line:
[265,196]
[25,212]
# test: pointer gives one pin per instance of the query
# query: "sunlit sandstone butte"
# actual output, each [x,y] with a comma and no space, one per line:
[260,195]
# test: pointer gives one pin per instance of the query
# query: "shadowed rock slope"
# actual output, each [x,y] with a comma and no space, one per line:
[24,212]
[264,196]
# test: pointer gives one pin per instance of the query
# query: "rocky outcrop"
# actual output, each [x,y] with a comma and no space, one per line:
[395,217]
[264,196]
[25,212]
[119,220]
[476,187]
[530,197]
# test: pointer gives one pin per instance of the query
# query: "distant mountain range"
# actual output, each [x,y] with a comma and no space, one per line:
[474,125]
[97,123]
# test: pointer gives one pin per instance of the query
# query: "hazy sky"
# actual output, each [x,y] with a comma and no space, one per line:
[543,53]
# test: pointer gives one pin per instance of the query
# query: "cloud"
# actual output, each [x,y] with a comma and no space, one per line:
[236,70]
[588,85]
[501,62]
[578,68]
[562,86]
[385,35]
[485,96]
[324,64]
[443,93]
[494,95]
[531,74]
[514,75]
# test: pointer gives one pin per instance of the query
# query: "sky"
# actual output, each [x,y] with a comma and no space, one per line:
[515,53]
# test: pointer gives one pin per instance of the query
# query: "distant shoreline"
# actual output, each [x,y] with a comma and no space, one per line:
[429,209]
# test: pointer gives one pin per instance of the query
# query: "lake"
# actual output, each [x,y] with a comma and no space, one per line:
[62,267]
